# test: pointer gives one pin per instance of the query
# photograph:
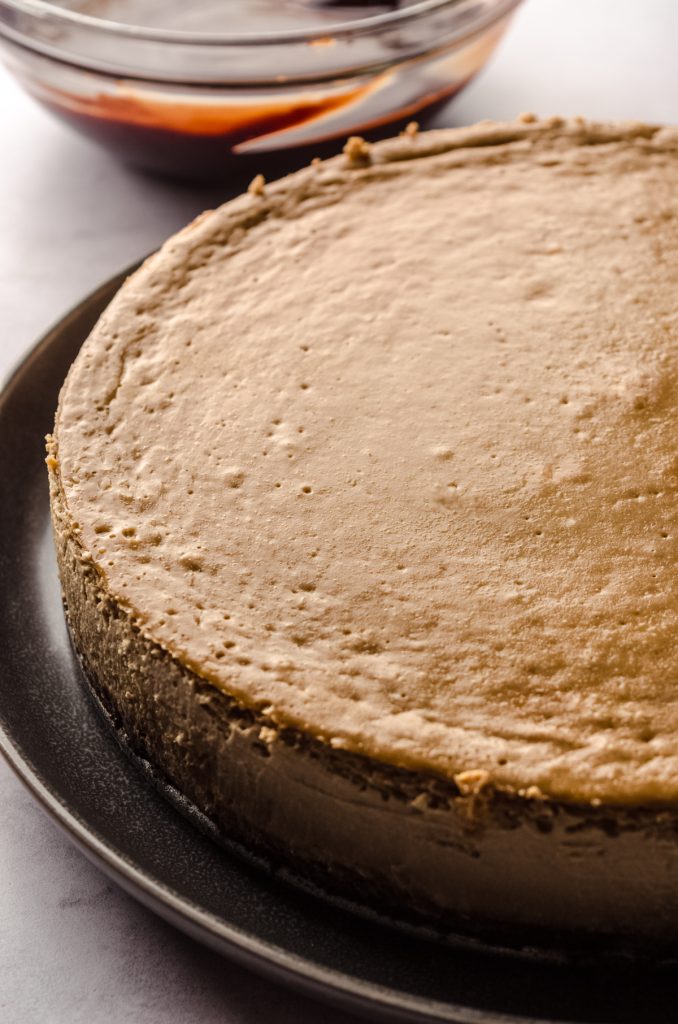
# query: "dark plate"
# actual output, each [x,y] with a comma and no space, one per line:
[63,750]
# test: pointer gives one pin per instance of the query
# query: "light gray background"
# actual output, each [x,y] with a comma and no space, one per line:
[73,948]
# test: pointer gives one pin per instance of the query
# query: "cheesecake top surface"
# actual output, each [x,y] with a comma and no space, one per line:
[389,451]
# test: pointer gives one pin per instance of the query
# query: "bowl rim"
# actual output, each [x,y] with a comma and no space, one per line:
[490,12]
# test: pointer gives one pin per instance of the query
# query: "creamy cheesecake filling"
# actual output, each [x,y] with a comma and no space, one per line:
[389,453]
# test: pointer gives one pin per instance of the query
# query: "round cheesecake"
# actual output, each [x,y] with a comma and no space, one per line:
[364,498]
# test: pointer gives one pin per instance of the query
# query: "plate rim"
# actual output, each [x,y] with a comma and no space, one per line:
[338,987]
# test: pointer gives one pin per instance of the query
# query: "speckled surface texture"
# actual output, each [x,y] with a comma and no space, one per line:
[433,519]
[72,946]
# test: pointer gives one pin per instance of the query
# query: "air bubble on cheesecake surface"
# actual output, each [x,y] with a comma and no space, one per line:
[234,477]
[442,452]
[191,562]
[447,494]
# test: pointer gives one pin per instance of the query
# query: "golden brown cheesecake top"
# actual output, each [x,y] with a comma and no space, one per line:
[390,450]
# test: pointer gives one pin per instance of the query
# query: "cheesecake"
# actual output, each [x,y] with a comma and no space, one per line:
[364,500]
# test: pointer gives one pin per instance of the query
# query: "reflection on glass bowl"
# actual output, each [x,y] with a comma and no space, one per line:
[186,89]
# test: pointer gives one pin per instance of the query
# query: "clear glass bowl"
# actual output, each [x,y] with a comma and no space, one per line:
[161,84]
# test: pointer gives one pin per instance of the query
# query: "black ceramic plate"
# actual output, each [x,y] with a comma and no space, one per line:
[53,736]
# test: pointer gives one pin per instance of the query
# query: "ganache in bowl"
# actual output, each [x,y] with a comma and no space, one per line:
[192,89]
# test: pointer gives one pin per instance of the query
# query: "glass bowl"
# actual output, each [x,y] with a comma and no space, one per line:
[188,88]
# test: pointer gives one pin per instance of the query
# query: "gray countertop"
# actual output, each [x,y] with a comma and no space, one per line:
[73,947]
